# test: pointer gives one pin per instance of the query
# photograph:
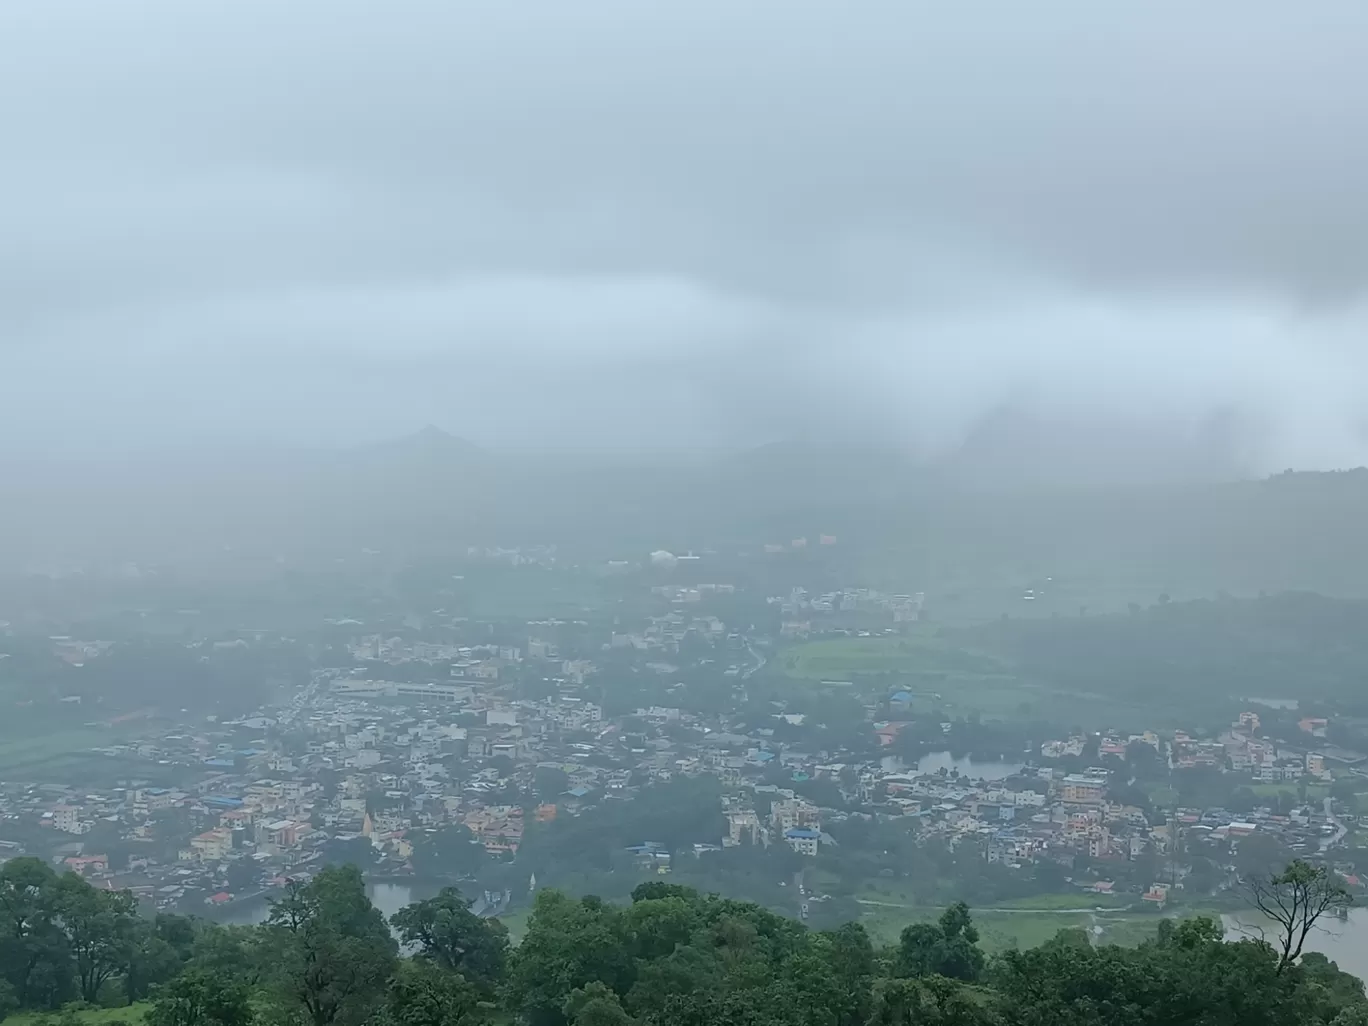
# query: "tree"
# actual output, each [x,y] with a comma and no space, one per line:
[1331,989]
[455,938]
[332,952]
[928,1002]
[99,930]
[238,952]
[451,851]
[948,947]
[35,959]
[200,997]
[1296,899]
[569,943]
[595,1005]
[150,960]
[424,994]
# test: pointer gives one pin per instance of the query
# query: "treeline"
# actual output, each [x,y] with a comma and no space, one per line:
[672,957]
[1209,651]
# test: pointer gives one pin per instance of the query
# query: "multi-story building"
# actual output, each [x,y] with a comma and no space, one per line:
[1083,789]
[791,813]
[803,840]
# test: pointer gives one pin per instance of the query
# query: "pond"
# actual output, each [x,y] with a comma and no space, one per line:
[975,769]
[1344,941]
[389,898]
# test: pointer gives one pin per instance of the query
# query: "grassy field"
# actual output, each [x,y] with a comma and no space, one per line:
[131,1014]
[946,678]
[1003,928]
[998,931]
[922,652]
[1044,902]
[516,921]
[20,753]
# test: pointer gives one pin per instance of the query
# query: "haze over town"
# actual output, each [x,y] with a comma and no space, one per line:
[654,514]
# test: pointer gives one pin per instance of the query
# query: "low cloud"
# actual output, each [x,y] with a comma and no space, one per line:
[683,224]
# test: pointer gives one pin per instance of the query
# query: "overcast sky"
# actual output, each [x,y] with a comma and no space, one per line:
[616,221]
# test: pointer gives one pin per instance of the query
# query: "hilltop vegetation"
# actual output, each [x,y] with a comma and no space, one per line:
[672,957]
[1203,657]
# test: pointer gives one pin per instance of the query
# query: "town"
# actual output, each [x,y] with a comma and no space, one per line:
[434,753]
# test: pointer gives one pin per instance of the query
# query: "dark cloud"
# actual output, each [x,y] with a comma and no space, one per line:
[696,222]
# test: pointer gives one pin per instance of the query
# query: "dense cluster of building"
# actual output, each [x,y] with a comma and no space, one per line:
[449,737]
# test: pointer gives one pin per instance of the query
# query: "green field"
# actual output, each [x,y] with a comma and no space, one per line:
[18,754]
[919,653]
[516,921]
[131,1014]
[1004,928]
[947,679]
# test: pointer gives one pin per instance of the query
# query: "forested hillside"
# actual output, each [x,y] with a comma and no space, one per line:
[672,957]
[1294,645]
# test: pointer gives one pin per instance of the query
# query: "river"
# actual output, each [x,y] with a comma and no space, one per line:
[1344,941]
[974,769]
[389,898]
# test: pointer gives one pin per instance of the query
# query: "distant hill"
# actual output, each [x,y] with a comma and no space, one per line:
[902,524]
[1180,654]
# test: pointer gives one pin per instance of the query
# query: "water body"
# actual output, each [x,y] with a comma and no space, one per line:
[389,898]
[1344,941]
[974,769]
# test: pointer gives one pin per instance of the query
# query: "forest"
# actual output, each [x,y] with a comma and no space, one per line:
[672,956]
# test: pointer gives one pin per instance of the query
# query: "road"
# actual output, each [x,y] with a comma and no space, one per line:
[302,700]
[1340,829]
[759,662]
[1014,911]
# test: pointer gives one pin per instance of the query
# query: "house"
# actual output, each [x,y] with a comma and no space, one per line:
[86,865]
[67,818]
[803,840]
[212,845]
[1158,894]
[794,812]
[1083,789]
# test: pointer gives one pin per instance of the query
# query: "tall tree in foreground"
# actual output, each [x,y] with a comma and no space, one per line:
[424,994]
[948,947]
[1296,899]
[331,950]
[200,997]
[35,959]
[448,933]
[99,927]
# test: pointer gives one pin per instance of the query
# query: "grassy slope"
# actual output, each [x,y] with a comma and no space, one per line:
[132,1014]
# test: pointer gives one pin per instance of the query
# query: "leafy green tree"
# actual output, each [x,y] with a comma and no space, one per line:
[1354,1015]
[948,947]
[35,958]
[453,850]
[99,928]
[447,932]
[1329,988]
[851,952]
[178,931]
[595,1004]
[149,960]
[422,993]
[331,952]
[199,997]
[239,952]
[568,944]
[932,1001]
[686,970]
